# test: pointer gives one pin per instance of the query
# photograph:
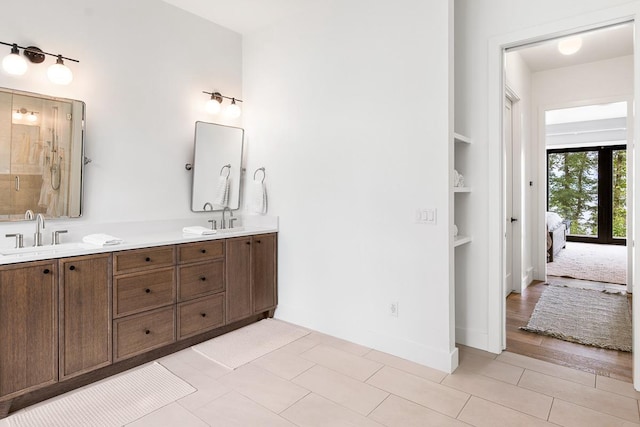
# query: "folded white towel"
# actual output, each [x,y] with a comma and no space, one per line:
[222,192]
[100,239]
[258,200]
[196,229]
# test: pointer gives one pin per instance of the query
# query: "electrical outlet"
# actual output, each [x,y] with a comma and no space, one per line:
[393,309]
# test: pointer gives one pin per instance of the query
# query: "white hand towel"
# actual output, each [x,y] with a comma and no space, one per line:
[100,239]
[196,229]
[258,201]
[222,192]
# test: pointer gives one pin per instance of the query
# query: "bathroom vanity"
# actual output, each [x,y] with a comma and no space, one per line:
[72,320]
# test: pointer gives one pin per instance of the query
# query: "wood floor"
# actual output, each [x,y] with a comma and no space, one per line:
[610,363]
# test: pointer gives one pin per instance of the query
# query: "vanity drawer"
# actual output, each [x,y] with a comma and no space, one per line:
[200,251]
[200,315]
[143,332]
[200,279]
[143,259]
[133,293]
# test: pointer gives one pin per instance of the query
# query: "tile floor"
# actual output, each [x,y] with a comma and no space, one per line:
[319,380]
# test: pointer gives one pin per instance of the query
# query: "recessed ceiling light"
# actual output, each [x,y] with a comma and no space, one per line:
[570,45]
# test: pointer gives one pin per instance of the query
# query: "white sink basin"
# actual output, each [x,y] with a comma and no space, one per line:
[40,250]
[230,230]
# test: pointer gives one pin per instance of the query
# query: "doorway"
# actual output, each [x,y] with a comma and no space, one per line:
[544,92]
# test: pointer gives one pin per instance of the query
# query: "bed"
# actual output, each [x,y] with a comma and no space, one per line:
[557,229]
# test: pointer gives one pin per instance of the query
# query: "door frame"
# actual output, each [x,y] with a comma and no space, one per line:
[496,303]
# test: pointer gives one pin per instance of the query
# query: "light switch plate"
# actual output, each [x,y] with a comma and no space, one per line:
[426,216]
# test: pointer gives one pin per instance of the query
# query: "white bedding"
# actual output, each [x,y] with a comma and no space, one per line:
[553,221]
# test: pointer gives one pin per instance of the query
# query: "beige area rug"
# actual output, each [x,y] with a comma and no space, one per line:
[249,343]
[590,261]
[583,316]
[113,402]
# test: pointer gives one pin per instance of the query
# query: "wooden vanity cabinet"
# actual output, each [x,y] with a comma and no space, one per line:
[201,287]
[67,322]
[85,314]
[263,272]
[28,327]
[144,297]
[250,276]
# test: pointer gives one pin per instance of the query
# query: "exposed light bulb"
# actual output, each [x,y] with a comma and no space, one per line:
[233,110]
[13,63]
[17,115]
[570,45]
[212,106]
[59,73]
[32,117]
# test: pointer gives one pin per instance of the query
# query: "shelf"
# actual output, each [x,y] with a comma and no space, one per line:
[461,138]
[461,240]
[462,189]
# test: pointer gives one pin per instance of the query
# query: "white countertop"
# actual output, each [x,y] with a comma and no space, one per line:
[135,235]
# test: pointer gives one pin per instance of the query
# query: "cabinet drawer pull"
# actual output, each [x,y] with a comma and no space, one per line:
[147,259]
[45,271]
[204,251]
[247,243]
[147,332]
[257,241]
[148,290]
[72,267]
[203,278]
[203,314]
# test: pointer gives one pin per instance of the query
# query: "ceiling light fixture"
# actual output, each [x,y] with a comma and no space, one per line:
[570,45]
[213,105]
[16,65]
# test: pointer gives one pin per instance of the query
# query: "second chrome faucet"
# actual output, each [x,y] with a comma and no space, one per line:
[37,236]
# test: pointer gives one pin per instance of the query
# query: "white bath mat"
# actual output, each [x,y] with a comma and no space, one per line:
[114,402]
[249,343]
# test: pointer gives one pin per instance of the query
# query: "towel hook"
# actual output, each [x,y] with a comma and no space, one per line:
[264,174]
[228,172]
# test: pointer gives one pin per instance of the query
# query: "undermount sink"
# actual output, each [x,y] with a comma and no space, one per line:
[39,250]
[230,230]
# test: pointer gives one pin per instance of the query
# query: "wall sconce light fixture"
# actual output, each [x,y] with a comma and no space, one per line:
[24,116]
[213,105]
[16,65]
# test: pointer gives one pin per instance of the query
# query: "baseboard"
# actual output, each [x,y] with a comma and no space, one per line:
[527,279]
[442,360]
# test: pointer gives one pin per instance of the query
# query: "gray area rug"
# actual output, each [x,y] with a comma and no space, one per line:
[583,316]
[590,261]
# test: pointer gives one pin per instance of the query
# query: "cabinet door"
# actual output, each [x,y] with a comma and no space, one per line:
[85,314]
[28,327]
[263,272]
[238,278]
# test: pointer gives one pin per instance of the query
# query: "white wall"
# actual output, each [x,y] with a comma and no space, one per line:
[143,66]
[349,113]
[592,83]
[478,24]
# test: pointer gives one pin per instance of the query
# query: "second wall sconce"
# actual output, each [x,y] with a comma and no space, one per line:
[16,65]
[213,105]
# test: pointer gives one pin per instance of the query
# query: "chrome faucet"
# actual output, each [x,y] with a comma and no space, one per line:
[37,236]
[224,224]
[204,208]
[28,214]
